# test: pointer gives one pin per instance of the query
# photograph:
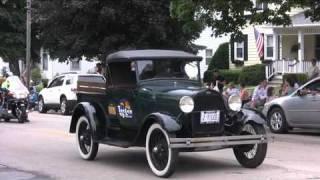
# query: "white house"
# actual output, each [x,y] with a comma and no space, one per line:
[286,49]
[52,67]
[211,43]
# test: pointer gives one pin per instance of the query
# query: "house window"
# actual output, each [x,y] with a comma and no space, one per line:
[75,66]
[45,61]
[260,5]
[208,56]
[317,48]
[239,50]
[269,46]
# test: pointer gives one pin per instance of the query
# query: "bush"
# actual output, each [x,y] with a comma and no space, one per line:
[298,77]
[220,59]
[231,75]
[252,75]
[36,75]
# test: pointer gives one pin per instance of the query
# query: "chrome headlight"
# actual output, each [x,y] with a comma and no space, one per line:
[235,103]
[186,104]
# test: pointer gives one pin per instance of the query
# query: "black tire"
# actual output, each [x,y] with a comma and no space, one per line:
[64,106]
[88,149]
[21,114]
[7,119]
[277,121]
[251,156]
[161,158]
[42,107]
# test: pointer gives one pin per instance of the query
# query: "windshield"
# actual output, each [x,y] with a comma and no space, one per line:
[16,84]
[171,68]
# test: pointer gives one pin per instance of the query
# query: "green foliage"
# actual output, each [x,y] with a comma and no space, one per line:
[97,27]
[252,75]
[220,59]
[231,75]
[45,82]
[36,75]
[228,16]
[39,87]
[300,78]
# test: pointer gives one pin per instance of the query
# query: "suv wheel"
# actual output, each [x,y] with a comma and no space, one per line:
[251,156]
[161,158]
[64,106]
[42,107]
[277,121]
[88,149]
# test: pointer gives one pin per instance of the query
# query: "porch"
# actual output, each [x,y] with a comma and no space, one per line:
[293,49]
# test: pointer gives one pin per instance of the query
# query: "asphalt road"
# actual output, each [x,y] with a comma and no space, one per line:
[44,150]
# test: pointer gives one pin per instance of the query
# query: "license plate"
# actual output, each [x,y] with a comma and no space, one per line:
[210,117]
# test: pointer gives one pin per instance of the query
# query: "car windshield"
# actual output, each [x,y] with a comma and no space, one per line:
[16,84]
[171,68]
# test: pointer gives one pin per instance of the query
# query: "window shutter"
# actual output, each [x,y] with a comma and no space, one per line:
[231,45]
[245,39]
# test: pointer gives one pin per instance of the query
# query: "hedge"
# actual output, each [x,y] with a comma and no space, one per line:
[297,77]
[250,75]
[220,59]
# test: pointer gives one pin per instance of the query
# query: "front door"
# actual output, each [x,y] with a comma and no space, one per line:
[305,109]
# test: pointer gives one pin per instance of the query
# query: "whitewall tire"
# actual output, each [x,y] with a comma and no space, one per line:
[161,158]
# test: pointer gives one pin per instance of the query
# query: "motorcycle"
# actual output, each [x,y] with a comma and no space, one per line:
[14,101]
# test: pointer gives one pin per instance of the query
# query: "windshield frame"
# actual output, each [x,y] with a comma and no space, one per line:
[168,78]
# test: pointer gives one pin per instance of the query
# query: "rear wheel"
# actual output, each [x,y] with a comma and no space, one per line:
[42,107]
[7,119]
[88,149]
[251,156]
[21,114]
[277,121]
[161,158]
[64,108]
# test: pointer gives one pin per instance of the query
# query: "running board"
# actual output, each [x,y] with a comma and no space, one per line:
[218,141]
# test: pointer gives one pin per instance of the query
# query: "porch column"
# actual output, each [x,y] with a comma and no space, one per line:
[280,47]
[275,47]
[301,49]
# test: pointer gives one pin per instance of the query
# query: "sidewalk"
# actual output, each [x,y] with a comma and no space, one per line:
[9,173]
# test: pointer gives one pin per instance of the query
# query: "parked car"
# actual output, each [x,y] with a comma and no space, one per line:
[61,93]
[301,109]
[155,99]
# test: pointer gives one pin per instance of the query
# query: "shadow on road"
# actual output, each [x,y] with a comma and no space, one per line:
[135,160]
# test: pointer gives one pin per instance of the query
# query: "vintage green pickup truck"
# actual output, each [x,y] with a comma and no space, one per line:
[155,99]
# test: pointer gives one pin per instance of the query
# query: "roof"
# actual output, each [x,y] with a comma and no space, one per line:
[132,55]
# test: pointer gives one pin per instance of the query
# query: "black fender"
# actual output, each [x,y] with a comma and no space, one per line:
[253,116]
[167,122]
[96,116]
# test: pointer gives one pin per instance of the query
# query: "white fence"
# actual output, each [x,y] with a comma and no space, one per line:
[287,67]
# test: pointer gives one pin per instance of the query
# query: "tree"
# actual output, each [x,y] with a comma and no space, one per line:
[220,59]
[230,16]
[95,28]
[12,33]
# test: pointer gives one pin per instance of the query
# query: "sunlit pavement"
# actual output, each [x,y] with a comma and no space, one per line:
[43,149]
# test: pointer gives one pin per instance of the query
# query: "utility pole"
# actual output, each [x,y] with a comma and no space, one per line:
[28,49]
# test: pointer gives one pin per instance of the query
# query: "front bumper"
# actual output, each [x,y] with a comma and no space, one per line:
[208,142]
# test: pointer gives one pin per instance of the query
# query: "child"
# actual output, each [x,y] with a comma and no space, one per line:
[244,94]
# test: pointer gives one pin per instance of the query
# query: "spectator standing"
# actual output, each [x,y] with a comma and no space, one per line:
[217,82]
[314,70]
[259,96]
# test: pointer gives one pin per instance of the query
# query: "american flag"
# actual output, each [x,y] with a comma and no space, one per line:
[259,42]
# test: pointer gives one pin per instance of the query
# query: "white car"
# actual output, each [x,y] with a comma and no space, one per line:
[61,93]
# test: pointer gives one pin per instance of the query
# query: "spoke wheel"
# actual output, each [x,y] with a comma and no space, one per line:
[277,121]
[88,149]
[161,158]
[251,156]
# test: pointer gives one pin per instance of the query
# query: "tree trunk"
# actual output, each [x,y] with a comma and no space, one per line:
[14,67]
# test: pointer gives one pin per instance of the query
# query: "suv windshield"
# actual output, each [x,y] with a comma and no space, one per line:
[171,68]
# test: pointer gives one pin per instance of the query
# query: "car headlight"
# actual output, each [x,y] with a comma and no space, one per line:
[235,103]
[186,104]
[20,95]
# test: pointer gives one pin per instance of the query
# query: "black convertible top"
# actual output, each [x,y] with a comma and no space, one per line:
[151,54]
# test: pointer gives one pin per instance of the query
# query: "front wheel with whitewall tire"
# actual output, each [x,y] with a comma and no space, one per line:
[160,156]
[88,149]
[252,155]
[64,107]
